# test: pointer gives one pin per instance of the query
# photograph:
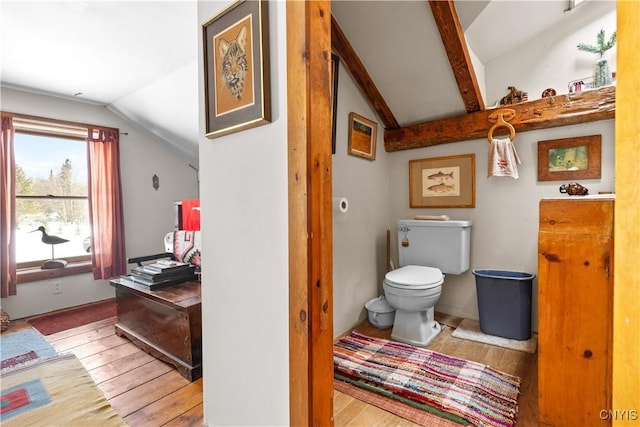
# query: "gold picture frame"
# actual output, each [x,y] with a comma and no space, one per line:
[236,68]
[570,158]
[443,182]
[363,134]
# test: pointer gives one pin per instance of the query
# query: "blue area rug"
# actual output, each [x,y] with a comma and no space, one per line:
[21,347]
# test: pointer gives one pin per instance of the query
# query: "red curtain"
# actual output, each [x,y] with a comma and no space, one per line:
[105,204]
[7,210]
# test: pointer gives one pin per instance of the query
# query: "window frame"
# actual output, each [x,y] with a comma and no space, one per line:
[30,271]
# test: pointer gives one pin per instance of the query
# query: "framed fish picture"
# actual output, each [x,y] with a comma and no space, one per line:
[443,182]
[236,68]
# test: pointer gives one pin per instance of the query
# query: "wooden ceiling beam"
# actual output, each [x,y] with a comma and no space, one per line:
[363,80]
[562,110]
[444,13]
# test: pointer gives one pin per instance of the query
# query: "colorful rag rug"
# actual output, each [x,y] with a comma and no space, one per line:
[478,393]
[414,412]
[57,391]
[23,347]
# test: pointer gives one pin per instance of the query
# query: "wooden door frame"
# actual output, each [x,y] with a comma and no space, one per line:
[626,276]
[310,213]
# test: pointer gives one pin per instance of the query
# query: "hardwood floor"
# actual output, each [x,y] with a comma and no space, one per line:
[147,392]
[143,390]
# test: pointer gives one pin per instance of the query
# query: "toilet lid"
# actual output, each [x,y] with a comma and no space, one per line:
[415,277]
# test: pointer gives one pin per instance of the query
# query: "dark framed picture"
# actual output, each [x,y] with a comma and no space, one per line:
[570,158]
[363,134]
[335,65]
[236,68]
[443,182]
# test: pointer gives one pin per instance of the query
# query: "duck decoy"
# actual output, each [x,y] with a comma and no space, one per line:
[51,240]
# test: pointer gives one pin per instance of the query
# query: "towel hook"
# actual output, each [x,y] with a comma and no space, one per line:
[501,119]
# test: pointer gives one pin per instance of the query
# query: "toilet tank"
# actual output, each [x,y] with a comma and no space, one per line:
[441,244]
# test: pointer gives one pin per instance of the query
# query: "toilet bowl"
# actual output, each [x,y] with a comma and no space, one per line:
[427,250]
[414,291]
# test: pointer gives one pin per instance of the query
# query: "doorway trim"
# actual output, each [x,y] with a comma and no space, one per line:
[310,213]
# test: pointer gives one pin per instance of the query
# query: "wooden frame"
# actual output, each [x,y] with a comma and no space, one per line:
[570,158]
[442,182]
[238,35]
[335,66]
[310,231]
[363,134]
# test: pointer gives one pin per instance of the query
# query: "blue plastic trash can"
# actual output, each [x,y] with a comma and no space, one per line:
[504,303]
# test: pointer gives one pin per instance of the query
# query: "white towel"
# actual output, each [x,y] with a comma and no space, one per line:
[502,159]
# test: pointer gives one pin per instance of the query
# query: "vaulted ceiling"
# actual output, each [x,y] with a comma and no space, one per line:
[139,58]
[419,76]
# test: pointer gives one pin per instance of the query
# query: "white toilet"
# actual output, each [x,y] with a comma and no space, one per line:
[426,250]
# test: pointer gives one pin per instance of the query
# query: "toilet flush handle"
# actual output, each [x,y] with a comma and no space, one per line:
[404,229]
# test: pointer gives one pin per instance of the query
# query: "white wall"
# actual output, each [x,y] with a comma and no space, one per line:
[478,69]
[245,284]
[359,235]
[148,214]
[505,218]
[551,59]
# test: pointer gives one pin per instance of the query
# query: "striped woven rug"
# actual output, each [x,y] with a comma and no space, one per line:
[478,393]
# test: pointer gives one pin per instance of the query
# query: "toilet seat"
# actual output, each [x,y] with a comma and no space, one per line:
[414,277]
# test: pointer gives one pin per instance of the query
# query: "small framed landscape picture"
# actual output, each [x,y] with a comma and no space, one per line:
[570,158]
[442,182]
[362,136]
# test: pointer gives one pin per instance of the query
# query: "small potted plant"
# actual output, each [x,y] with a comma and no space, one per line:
[602,76]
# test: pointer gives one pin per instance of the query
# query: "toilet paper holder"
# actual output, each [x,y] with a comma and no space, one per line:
[340,204]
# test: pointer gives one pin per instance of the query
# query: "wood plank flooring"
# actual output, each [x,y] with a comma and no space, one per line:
[143,390]
[147,392]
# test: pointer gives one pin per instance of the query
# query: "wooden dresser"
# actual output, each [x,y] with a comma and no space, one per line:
[166,323]
[575,310]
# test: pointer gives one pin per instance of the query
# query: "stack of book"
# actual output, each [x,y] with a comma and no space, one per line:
[162,273]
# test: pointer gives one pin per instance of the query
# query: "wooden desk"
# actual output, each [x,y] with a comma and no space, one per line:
[166,323]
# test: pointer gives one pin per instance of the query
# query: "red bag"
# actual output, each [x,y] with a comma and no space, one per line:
[191,215]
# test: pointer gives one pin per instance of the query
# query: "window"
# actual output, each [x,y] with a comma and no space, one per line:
[51,192]
[64,177]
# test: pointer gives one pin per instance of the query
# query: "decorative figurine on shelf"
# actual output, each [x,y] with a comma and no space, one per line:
[576,86]
[601,75]
[515,96]
[548,92]
[51,240]
[574,189]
